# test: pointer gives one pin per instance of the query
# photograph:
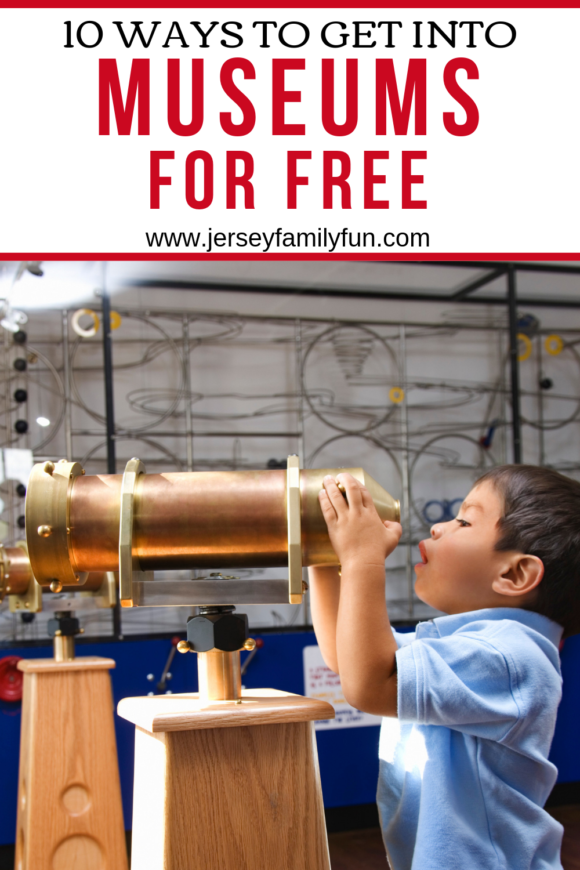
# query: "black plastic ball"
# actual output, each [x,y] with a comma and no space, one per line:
[20,490]
[277,463]
[20,337]
[546,383]
[21,521]
[21,426]
[20,364]
[20,396]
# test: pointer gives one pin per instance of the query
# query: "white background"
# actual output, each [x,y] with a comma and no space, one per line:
[512,186]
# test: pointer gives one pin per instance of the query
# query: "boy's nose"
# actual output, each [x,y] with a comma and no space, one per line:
[436,531]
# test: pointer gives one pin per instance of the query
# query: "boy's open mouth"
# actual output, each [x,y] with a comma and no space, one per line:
[423,552]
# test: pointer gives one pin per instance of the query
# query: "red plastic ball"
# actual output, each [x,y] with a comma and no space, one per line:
[10,679]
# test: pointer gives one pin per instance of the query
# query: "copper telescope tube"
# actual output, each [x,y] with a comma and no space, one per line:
[17,571]
[207,520]
[18,574]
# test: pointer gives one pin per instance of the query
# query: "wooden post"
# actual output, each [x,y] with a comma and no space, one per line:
[69,795]
[226,785]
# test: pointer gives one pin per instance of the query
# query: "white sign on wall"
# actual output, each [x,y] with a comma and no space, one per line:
[322,683]
[17,464]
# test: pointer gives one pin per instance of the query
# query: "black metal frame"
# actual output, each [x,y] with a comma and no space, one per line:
[514,365]
[110,420]
[464,293]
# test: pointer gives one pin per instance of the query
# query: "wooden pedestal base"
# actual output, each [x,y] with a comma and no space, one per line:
[70,815]
[227,785]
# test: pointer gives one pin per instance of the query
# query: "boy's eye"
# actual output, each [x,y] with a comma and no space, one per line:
[462,523]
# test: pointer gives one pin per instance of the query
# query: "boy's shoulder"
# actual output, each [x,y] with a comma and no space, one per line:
[491,673]
[510,625]
[504,628]
[527,641]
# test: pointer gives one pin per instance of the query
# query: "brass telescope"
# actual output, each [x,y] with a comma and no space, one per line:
[25,595]
[15,571]
[137,523]
[16,574]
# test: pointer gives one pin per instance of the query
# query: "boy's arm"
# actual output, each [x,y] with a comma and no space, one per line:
[324,597]
[365,643]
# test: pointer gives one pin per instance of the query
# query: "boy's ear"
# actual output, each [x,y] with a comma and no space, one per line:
[523,574]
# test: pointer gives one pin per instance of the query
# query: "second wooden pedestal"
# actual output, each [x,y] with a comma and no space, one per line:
[226,785]
[69,797]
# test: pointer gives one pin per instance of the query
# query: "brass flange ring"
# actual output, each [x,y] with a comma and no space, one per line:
[48,522]
[294,515]
[128,562]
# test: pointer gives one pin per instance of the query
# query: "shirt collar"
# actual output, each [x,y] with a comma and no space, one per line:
[537,621]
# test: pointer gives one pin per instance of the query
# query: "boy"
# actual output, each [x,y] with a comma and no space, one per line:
[464,772]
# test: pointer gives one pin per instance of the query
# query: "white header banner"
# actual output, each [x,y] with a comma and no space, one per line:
[290,132]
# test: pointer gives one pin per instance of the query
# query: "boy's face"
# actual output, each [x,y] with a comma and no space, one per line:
[460,562]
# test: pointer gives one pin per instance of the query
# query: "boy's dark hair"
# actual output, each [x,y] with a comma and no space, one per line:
[541,516]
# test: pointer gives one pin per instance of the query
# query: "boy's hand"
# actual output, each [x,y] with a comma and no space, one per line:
[356,531]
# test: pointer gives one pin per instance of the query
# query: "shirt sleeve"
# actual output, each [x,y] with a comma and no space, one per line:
[402,638]
[461,681]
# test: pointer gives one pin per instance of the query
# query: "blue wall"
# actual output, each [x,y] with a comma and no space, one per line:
[348,757]
[566,746]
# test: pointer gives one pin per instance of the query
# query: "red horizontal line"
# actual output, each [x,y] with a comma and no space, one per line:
[300,4]
[93,255]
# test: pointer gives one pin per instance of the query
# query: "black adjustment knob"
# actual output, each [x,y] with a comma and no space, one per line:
[67,625]
[217,628]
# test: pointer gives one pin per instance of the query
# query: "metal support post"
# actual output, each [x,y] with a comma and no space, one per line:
[301,443]
[406,513]
[66,379]
[110,415]
[108,373]
[187,390]
[7,442]
[299,390]
[541,439]
[502,398]
[514,365]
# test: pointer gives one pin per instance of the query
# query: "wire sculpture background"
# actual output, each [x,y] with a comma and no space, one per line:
[425,408]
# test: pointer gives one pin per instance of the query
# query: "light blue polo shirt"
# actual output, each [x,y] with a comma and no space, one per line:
[464,770]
